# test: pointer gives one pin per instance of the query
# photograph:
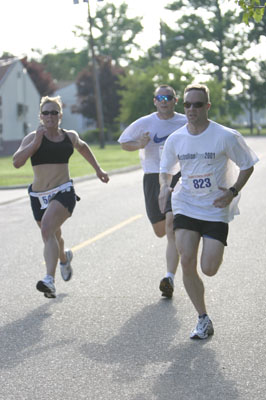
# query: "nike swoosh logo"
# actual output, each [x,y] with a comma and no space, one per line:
[156,139]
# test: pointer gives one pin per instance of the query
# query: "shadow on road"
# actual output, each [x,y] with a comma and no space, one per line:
[145,338]
[21,339]
[146,349]
[194,373]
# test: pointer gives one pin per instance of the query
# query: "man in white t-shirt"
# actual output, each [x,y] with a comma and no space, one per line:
[215,164]
[148,135]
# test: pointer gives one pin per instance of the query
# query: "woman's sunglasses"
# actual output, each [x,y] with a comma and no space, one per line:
[54,112]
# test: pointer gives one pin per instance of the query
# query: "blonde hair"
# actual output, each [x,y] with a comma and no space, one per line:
[198,86]
[47,99]
[56,100]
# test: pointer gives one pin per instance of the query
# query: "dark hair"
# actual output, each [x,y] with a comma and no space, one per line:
[165,87]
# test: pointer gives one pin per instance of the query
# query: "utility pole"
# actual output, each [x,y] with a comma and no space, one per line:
[161,40]
[96,84]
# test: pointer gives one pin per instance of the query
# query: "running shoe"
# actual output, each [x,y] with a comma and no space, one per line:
[66,269]
[47,287]
[167,287]
[203,329]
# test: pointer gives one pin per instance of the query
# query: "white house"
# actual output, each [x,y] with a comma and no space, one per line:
[68,93]
[19,105]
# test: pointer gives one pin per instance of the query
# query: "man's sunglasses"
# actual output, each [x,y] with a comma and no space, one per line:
[54,112]
[197,104]
[166,97]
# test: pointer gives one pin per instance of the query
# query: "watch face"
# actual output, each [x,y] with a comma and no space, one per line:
[234,191]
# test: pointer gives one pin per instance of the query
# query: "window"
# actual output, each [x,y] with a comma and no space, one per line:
[21,109]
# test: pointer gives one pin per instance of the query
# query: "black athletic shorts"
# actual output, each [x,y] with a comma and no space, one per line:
[151,188]
[66,198]
[212,229]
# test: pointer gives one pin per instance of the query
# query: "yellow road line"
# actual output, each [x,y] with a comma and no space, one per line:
[105,233]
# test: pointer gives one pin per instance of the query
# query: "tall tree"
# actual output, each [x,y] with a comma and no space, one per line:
[206,34]
[210,36]
[109,84]
[114,33]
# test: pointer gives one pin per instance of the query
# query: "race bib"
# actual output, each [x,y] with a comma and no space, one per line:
[44,199]
[202,183]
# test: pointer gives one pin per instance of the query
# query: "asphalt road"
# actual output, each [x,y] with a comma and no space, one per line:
[109,335]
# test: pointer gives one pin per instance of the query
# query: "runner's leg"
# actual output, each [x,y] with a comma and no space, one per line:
[187,243]
[54,216]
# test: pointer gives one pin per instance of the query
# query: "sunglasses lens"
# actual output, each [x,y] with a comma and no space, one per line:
[167,97]
[197,104]
[54,112]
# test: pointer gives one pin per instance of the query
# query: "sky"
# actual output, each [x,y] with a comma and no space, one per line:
[46,24]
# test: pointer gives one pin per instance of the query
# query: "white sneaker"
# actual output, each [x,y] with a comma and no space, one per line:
[203,329]
[47,287]
[66,269]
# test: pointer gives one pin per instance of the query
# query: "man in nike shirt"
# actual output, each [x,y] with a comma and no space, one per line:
[148,134]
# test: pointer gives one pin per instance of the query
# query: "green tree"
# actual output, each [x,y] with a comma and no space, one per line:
[138,86]
[253,10]
[114,33]
[212,38]
[109,84]
[65,65]
[207,35]
[5,55]
[258,31]
[219,103]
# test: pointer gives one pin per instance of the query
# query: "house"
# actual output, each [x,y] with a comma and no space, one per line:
[70,120]
[19,105]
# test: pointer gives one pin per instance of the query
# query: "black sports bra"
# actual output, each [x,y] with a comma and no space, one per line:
[53,152]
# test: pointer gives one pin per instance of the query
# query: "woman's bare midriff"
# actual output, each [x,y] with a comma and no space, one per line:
[49,176]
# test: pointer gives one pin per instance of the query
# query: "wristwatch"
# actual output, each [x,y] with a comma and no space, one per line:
[234,191]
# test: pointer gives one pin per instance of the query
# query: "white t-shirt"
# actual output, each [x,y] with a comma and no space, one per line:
[207,161]
[159,130]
